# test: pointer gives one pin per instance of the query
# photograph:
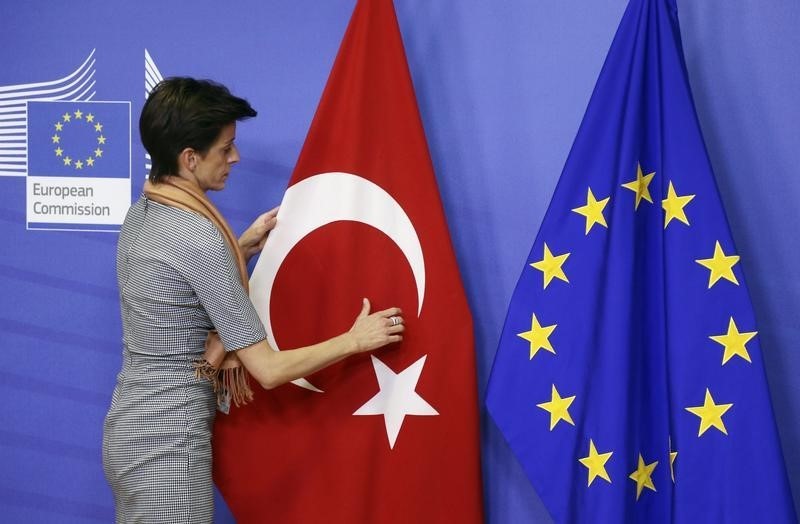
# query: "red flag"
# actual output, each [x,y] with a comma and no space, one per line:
[380,438]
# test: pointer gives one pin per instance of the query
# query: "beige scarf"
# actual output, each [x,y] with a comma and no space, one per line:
[223,369]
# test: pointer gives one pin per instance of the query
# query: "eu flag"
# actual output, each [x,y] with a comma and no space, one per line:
[79,139]
[629,381]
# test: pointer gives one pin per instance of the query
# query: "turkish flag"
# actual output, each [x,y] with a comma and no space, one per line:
[390,436]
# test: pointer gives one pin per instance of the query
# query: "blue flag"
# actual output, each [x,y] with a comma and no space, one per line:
[629,381]
[79,139]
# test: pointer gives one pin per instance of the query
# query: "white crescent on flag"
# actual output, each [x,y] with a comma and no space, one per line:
[320,200]
[77,86]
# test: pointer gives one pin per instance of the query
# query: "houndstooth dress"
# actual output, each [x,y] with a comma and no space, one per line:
[177,279]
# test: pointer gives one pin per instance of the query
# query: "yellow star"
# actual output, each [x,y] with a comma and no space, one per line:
[734,342]
[596,463]
[98,127]
[56,139]
[721,266]
[66,117]
[673,206]
[538,337]
[710,414]
[90,118]
[58,151]
[90,161]
[67,161]
[672,456]
[558,408]
[78,114]
[593,211]
[640,186]
[101,139]
[551,266]
[79,164]
[59,126]
[642,476]
[98,152]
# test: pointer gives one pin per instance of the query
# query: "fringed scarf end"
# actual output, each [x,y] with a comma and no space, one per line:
[204,369]
[235,383]
[229,383]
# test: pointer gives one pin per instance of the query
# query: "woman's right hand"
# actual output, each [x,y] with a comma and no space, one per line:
[372,331]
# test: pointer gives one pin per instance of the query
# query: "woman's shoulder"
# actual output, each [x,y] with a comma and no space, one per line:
[180,223]
[171,233]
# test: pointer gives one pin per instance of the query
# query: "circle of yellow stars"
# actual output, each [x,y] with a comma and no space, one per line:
[720,266]
[77,116]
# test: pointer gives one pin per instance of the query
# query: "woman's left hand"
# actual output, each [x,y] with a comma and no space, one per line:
[252,241]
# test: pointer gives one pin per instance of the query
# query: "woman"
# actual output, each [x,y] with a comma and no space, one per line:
[181,274]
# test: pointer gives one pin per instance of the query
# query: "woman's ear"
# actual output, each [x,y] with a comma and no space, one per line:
[187,160]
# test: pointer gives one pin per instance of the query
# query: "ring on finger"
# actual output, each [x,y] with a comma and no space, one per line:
[395,320]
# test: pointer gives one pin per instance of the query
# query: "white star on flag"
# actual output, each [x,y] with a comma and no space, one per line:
[396,397]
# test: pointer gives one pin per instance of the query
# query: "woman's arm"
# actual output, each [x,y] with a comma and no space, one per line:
[273,368]
[370,331]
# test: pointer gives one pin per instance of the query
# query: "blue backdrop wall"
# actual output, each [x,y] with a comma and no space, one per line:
[502,87]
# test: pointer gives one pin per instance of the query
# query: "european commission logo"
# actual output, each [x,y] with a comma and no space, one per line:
[74,151]
[79,164]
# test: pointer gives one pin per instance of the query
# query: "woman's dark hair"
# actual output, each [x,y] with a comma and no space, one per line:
[184,112]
